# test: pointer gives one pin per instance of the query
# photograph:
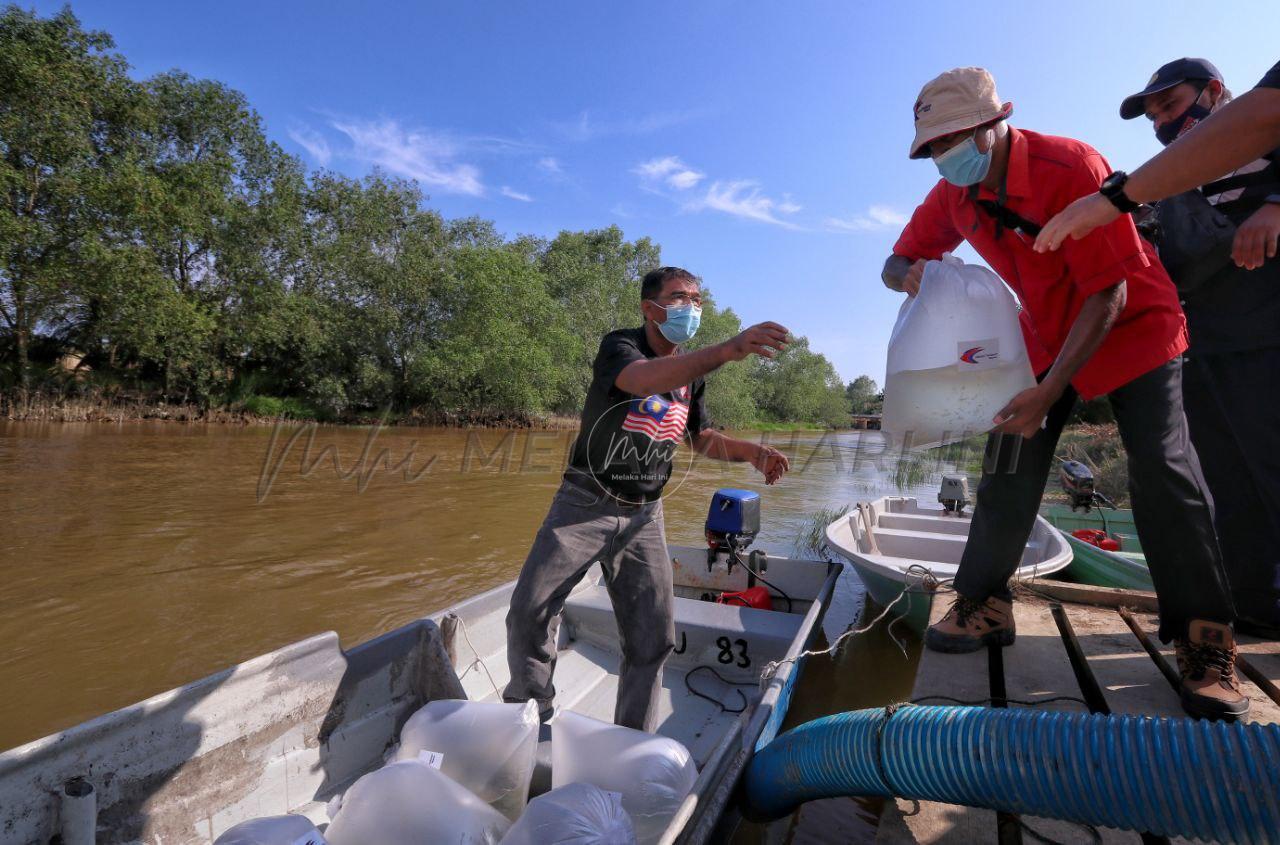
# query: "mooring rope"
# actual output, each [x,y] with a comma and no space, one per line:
[930,584]
[463,625]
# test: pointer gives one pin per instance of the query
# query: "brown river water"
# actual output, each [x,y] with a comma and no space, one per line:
[137,557]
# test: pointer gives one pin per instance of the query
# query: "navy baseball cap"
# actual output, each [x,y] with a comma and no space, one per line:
[1174,73]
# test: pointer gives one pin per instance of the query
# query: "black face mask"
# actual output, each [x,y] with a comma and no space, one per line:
[1174,129]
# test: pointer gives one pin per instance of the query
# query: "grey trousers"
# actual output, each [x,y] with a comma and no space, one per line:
[630,544]
[1172,508]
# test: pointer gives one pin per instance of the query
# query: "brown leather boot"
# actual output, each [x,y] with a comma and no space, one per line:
[969,625]
[1207,662]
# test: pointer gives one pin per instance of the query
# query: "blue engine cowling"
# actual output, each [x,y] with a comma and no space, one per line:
[733,519]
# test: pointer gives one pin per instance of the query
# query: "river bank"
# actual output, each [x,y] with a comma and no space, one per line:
[269,410]
[257,410]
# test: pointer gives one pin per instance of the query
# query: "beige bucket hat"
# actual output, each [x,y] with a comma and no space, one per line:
[958,99]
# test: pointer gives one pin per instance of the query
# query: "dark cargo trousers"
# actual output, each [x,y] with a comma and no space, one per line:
[1233,408]
[1172,509]
[630,544]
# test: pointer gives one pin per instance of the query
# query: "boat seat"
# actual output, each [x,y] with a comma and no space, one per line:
[933,524]
[924,545]
[702,628]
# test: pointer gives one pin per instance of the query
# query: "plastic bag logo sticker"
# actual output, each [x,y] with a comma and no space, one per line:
[315,838]
[434,759]
[978,354]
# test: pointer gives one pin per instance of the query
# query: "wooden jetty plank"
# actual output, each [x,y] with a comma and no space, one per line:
[1263,655]
[1130,681]
[1065,591]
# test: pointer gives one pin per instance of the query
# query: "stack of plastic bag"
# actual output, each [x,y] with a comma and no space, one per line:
[489,748]
[411,803]
[272,830]
[577,814]
[652,773]
[956,357]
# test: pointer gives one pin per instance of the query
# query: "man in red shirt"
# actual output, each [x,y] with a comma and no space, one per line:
[1100,317]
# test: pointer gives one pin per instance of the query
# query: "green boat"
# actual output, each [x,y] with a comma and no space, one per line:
[1126,568]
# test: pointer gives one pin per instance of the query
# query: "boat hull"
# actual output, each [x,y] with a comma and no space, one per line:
[285,732]
[1100,567]
[911,606]
[902,552]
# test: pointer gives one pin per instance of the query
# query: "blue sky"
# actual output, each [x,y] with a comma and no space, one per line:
[762,145]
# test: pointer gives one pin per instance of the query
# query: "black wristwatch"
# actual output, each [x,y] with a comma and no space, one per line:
[1113,189]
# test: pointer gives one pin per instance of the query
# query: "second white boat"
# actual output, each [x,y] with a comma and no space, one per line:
[900,548]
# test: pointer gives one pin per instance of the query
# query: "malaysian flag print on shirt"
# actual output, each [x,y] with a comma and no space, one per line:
[656,417]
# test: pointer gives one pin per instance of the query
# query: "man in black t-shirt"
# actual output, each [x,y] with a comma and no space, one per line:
[646,397]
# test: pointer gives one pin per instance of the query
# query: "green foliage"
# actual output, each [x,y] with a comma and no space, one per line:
[1100,448]
[274,406]
[152,227]
[864,396]
[800,384]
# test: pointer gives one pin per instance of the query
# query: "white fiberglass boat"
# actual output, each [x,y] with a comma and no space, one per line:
[897,545]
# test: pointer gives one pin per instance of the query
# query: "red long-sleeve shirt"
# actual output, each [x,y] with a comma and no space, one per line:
[1045,174]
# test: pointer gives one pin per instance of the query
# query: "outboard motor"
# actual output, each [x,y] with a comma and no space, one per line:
[1078,483]
[954,494]
[733,521]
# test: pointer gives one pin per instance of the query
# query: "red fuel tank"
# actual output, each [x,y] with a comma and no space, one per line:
[757,597]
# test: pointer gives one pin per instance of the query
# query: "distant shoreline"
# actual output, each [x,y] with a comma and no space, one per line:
[47,409]
[79,410]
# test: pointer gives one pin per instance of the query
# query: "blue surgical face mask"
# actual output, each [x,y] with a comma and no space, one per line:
[963,164]
[682,322]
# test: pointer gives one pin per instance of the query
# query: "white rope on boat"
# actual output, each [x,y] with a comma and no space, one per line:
[929,583]
[463,625]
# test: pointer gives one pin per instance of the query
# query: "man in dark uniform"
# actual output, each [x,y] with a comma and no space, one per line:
[646,397]
[1231,374]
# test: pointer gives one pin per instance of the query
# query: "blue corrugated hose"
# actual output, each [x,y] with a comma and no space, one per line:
[1177,777]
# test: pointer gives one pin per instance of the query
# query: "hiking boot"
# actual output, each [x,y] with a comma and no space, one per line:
[1207,663]
[969,625]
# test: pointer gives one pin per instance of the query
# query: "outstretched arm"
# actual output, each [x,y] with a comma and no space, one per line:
[1243,130]
[771,463]
[1240,132]
[659,375]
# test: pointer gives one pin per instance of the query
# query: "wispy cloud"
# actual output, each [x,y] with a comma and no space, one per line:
[550,165]
[428,157]
[588,127]
[744,198]
[314,143]
[877,218]
[515,195]
[788,206]
[671,170]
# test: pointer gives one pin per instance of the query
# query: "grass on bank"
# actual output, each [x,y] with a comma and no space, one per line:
[782,426]
[811,536]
